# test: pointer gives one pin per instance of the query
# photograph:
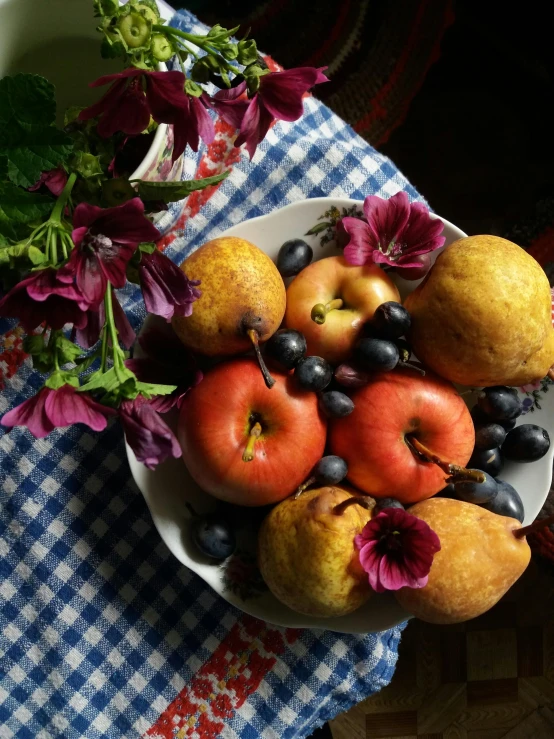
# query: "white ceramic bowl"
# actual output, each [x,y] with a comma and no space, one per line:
[169,487]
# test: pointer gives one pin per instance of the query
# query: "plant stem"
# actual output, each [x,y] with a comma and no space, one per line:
[56,215]
[537,525]
[255,433]
[200,41]
[110,324]
[460,474]
[319,311]
[365,502]
[301,488]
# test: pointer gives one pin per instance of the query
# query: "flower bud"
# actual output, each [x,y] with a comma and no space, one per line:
[134,30]
[247,52]
[148,12]
[161,48]
[229,51]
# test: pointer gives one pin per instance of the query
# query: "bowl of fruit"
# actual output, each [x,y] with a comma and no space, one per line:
[366,444]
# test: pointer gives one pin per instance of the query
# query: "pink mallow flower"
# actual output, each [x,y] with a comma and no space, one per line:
[166,289]
[394,232]
[396,550]
[55,180]
[96,317]
[147,433]
[138,94]
[50,409]
[279,97]
[43,297]
[105,240]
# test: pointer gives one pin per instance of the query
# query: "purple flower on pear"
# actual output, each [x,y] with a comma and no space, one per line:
[96,317]
[146,432]
[54,180]
[105,240]
[43,297]
[166,289]
[396,550]
[394,232]
[50,409]
[138,94]
[278,97]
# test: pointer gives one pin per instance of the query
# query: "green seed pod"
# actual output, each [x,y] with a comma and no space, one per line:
[161,48]
[134,30]
[117,191]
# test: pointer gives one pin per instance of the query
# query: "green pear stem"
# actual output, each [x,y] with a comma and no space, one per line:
[363,501]
[409,365]
[457,473]
[255,433]
[320,310]
[537,525]
[253,336]
[301,488]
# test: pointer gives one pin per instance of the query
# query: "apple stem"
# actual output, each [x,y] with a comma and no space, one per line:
[253,336]
[457,473]
[255,433]
[319,311]
[365,502]
[550,373]
[301,488]
[409,365]
[537,525]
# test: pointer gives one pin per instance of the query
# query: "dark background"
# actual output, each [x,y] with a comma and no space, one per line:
[476,139]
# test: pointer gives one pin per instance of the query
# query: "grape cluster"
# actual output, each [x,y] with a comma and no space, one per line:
[498,438]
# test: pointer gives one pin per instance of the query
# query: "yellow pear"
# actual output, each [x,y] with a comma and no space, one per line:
[307,557]
[243,299]
[483,315]
[479,560]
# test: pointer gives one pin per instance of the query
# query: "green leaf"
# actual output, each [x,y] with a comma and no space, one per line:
[35,256]
[20,206]
[26,98]
[105,7]
[149,389]
[67,350]
[33,344]
[28,141]
[3,167]
[102,381]
[33,150]
[318,228]
[169,192]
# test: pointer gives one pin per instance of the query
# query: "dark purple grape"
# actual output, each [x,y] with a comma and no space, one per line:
[213,536]
[500,403]
[526,443]
[377,354]
[313,373]
[381,503]
[286,347]
[391,320]
[478,492]
[489,436]
[488,460]
[336,404]
[449,491]
[293,256]
[507,502]
[330,470]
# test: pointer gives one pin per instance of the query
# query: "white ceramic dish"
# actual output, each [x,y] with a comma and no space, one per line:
[169,487]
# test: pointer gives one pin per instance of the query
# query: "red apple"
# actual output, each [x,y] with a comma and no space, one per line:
[329,302]
[231,416]
[392,408]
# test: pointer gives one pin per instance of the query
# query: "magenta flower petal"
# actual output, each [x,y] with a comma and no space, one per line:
[130,115]
[125,331]
[90,334]
[54,180]
[360,248]
[124,224]
[282,92]
[387,218]
[422,234]
[204,123]
[255,125]
[396,550]
[66,406]
[166,289]
[147,434]
[229,105]
[32,414]
[165,92]
[107,78]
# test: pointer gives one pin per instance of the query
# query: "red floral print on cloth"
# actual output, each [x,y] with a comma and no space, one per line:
[222,685]
[12,355]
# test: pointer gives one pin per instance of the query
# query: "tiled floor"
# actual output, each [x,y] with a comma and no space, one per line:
[489,678]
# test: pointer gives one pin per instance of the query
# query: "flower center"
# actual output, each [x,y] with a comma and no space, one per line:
[390,543]
[395,249]
[98,243]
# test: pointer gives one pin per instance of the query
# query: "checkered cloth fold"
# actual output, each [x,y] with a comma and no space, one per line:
[102,632]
